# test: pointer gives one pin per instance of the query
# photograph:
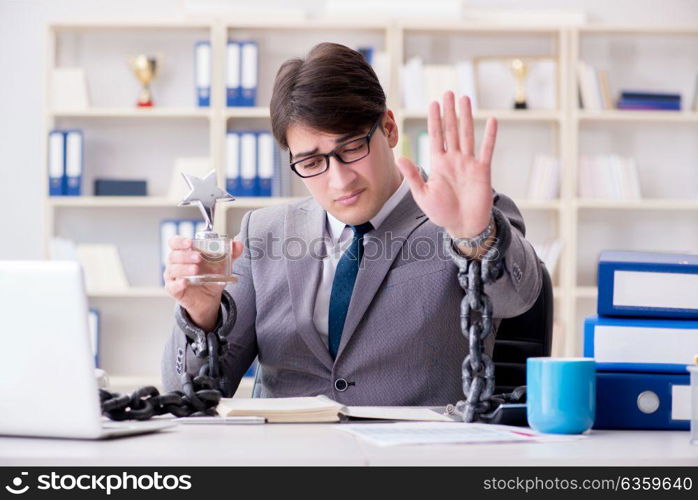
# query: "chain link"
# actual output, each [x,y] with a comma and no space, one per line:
[477,325]
[200,394]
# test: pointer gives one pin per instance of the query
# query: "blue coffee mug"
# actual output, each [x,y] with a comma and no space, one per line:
[561,394]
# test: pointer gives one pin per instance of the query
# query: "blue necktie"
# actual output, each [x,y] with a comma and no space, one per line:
[343,285]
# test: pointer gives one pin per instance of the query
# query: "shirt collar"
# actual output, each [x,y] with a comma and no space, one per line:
[336,226]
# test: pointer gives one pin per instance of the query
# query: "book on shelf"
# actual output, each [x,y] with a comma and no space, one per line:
[175,227]
[242,73]
[422,83]
[202,73]
[69,89]
[413,84]
[379,61]
[606,99]
[439,78]
[120,187]
[65,162]
[320,409]
[254,165]
[649,101]
[594,90]
[610,177]
[544,180]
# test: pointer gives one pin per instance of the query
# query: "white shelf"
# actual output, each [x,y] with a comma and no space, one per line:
[112,202]
[637,116]
[246,112]
[464,27]
[129,25]
[644,204]
[327,23]
[153,112]
[157,202]
[611,29]
[524,204]
[501,115]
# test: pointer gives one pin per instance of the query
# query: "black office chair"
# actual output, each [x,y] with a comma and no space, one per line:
[528,335]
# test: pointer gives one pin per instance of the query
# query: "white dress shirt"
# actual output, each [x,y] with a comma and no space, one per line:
[340,236]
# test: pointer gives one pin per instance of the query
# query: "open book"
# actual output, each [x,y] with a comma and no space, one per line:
[320,409]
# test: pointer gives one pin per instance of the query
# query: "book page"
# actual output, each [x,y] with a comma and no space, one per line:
[395,413]
[278,405]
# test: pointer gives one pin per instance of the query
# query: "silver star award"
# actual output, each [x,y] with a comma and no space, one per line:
[204,194]
[216,249]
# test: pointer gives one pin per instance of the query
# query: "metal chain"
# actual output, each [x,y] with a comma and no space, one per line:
[200,394]
[477,325]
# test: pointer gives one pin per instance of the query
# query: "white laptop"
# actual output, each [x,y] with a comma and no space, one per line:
[47,373]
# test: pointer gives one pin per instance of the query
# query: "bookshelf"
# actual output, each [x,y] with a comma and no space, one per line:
[130,142]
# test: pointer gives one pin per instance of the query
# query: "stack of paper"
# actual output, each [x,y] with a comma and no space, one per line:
[414,433]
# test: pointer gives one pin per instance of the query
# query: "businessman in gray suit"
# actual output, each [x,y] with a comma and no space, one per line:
[348,293]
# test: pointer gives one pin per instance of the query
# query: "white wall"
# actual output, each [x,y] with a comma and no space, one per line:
[22,178]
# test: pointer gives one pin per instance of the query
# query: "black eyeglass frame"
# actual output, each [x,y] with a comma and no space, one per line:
[334,153]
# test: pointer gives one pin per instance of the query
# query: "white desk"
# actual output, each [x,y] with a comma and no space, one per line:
[324,444]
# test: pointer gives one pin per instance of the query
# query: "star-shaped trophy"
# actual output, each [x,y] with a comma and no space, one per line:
[216,249]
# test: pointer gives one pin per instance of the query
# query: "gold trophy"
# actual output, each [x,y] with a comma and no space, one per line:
[145,68]
[520,70]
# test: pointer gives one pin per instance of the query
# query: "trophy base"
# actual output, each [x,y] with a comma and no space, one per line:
[208,279]
[520,105]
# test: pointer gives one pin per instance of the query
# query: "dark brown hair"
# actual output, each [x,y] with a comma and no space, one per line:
[333,90]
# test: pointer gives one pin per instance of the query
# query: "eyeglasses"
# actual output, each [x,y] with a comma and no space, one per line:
[349,152]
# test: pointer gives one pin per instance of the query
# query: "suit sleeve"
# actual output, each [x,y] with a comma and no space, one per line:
[178,356]
[519,286]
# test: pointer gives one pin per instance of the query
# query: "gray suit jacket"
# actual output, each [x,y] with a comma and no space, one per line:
[401,343]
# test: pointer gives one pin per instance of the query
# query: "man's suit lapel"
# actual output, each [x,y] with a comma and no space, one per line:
[404,219]
[305,226]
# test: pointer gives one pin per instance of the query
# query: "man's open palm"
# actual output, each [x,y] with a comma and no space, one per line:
[458,194]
